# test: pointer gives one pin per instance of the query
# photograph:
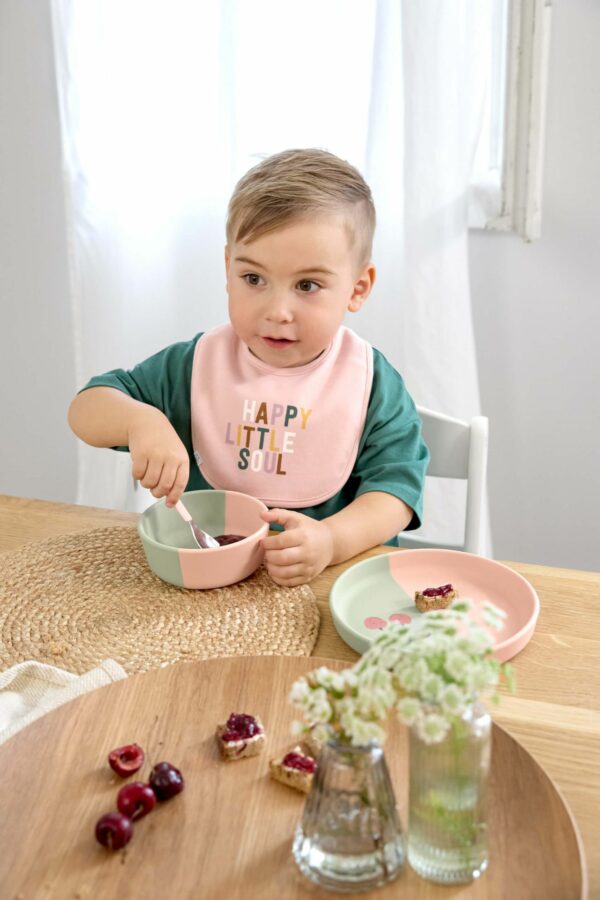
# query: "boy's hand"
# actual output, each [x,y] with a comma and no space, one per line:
[159,459]
[299,553]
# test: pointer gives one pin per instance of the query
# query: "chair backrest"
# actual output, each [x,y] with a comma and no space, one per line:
[458,450]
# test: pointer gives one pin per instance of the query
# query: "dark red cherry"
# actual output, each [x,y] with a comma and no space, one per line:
[114,830]
[136,800]
[126,760]
[166,781]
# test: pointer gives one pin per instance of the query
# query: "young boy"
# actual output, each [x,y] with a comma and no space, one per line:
[284,402]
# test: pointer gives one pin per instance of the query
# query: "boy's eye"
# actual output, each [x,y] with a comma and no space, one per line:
[308,287]
[252,278]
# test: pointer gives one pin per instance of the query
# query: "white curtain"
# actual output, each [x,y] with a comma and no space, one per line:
[164,105]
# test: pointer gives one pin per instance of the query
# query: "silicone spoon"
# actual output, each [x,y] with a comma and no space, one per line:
[201,538]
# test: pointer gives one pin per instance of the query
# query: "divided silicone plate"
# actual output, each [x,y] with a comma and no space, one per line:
[371,593]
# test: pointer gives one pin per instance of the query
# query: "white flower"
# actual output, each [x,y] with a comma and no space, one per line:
[389,633]
[461,605]
[429,672]
[389,657]
[409,678]
[486,676]
[481,640]
[320,711]
[493,615]
[457,664]
[413,673]
[334,681]
[365,732]
[347,721]
[300,692]
[409,710]
[370,658]
[374,704]
[453,700]
[324,676]
[319,695]
[350,678]
[431,687]
[432,728]
[321,733]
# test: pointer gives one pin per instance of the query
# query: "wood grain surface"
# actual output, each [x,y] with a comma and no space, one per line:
[556,711]
[229,833]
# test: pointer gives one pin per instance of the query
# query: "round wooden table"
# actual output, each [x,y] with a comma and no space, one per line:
[229,833]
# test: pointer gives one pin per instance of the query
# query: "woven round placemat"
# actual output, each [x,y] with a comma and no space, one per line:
[75,600]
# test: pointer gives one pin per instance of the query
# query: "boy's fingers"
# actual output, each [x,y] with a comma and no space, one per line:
[167,480]
[285,571]
[280,541]
[287,557]
[138,467]
[285,517]
[179,484]
[152,476]
[288,580]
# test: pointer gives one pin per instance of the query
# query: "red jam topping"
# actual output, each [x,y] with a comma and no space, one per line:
[439,591]
[224,539]
[300,762]
[240,727]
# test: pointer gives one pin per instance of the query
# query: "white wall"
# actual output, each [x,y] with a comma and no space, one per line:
[536,306]
[537,319]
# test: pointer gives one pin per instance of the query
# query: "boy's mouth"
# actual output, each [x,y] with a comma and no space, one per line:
[278,343]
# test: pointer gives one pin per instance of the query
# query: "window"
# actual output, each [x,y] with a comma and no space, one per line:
[507,182]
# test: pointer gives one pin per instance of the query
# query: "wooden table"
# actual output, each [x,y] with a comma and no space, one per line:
[229,834]
[556,712]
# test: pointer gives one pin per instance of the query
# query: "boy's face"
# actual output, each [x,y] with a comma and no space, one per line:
[289,289]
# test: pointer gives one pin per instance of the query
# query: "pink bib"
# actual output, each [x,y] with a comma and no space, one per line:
[287,436]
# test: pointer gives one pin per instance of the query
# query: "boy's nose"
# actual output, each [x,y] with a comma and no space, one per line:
[279,310]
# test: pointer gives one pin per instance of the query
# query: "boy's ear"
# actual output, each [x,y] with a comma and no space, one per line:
[362,287]
[226,260]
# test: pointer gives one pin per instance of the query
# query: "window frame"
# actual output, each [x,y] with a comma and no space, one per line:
[515,203]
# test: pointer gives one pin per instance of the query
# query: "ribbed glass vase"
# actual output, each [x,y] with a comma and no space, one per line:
[447,827]
[350,838]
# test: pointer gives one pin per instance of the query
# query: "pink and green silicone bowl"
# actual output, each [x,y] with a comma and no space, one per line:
[170,549]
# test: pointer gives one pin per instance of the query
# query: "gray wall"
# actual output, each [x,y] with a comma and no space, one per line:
[536,306]
[37,453]
[537,320]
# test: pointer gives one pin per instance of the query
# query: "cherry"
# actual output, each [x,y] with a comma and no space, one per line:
[136,800]
[166,781]
[126,760]
[240,727]
[114,830]
[299,761]
[439,591]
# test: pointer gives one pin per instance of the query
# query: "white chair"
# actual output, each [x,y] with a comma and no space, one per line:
[458,450]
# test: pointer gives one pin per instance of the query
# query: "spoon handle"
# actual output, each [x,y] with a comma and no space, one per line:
[204,540]
[183,512]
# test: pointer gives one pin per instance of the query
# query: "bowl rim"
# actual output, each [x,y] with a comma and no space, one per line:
[260,532]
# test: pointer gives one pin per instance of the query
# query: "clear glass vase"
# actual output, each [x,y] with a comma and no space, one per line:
[447,827]
[350,838]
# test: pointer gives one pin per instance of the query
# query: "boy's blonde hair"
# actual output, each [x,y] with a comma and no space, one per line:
[295,184]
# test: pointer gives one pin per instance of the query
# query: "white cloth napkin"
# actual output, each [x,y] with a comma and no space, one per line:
[31,689]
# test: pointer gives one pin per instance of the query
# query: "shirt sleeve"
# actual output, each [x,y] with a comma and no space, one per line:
[163,380]
[392,455]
